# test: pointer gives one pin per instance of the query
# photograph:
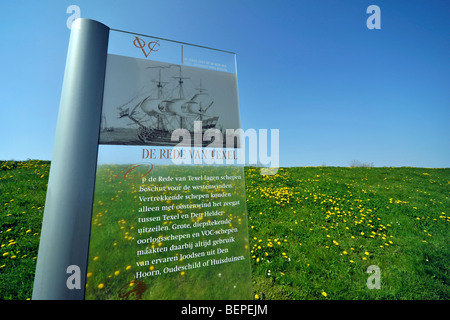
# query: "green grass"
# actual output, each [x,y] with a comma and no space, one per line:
[23,187]
[318,229]
[312,231]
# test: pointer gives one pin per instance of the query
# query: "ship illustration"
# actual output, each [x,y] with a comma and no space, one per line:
[167,107]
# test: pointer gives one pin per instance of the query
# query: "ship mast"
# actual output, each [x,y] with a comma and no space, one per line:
[181,94]
[180,85]
[200,92]
[159,86]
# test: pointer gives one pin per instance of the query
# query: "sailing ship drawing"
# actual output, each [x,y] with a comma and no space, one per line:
[154,114]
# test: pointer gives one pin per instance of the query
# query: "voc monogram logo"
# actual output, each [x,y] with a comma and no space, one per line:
[140,43]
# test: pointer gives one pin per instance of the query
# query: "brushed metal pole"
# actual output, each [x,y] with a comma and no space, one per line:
[66,223]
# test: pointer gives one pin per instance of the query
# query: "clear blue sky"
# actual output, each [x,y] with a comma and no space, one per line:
[336,90]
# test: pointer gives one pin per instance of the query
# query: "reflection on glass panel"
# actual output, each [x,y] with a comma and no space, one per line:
[169,218]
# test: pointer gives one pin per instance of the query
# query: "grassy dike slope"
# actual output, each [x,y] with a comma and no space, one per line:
[314,231]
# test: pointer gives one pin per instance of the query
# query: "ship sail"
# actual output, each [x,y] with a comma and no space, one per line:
[152,106]
[200,102]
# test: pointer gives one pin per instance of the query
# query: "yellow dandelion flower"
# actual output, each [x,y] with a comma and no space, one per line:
[100,286]
[128,267]
[324,293]
[116,273]
[256,297]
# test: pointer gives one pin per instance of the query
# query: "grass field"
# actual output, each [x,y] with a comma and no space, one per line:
[314,231]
